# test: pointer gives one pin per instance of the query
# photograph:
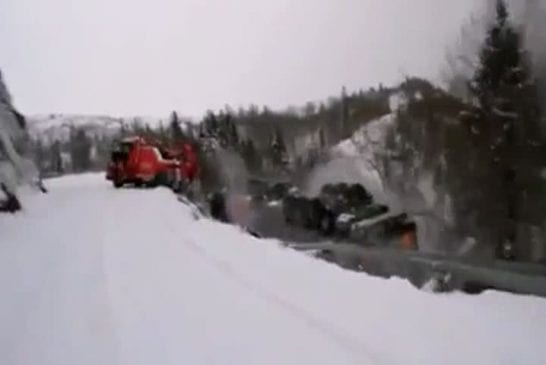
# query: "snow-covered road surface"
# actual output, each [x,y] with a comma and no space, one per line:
[93,275]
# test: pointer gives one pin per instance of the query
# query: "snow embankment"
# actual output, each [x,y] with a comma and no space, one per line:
[93,275]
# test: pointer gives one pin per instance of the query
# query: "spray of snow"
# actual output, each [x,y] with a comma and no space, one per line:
[233,170]
[427,189]
[356,160]
[398,101]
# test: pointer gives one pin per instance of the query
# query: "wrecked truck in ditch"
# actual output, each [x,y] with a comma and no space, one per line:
[348,212]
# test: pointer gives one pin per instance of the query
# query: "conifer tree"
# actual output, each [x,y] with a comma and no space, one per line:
[507,127]
[177,134]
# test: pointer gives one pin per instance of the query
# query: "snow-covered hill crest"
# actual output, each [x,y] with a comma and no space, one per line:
[56,127]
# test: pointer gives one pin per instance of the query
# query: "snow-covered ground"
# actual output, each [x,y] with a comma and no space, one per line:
[93,275]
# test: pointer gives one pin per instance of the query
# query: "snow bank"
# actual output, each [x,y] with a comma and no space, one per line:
[94,275]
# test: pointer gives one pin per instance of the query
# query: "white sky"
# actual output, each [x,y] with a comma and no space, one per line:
[153,56]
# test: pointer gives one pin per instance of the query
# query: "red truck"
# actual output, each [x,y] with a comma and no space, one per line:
[137,161]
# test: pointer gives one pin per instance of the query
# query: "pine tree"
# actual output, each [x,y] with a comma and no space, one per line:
[227,133]
[80,149]
[502,63]
[344,114]
[508,124]
[39,154]
[161,133]
[177,134]
[122,128]
[223,129]
[210,123]
[278,149]
[56,161]
[322,139]
[250,156]
[136,126]
[148,130]
[234,134]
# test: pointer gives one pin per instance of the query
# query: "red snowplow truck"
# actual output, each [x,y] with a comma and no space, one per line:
[137,161]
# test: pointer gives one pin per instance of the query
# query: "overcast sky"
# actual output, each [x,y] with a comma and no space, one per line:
[125,57]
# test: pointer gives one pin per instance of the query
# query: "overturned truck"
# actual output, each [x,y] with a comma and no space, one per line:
[348,212]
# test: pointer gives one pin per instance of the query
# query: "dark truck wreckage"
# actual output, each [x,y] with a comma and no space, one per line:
[344,212]
[347,212]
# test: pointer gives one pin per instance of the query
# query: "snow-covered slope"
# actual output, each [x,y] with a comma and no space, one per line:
[45,122]
[94,275]
[367,141]
[57,126]
[356,160]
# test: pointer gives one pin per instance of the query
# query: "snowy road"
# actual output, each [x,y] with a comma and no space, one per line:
[91,275]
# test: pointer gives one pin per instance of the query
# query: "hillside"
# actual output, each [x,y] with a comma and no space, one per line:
[50,128]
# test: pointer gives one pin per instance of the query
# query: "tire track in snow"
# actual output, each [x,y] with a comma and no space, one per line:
[314,322]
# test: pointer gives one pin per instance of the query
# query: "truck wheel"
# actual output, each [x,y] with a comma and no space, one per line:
[160,179]
[117,183]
